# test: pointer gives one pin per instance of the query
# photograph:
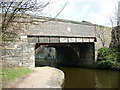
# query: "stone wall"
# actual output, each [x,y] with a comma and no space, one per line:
[19,52]
[103,36]
[61,28]
[87,55]
[22,53]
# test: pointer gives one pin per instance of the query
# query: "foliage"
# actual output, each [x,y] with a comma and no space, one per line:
[108,54]
[108,58]
[11,73]
[106,64]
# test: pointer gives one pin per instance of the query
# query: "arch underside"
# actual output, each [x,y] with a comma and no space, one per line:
[64,54]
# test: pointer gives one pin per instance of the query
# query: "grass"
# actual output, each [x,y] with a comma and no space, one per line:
[11,73]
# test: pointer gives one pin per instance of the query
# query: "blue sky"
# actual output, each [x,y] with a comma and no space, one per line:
[94,11]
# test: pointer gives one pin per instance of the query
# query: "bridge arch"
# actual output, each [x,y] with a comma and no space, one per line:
[67,54]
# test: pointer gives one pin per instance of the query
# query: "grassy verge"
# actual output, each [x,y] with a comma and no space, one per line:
[11,73]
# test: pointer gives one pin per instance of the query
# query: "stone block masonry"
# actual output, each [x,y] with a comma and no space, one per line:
[22,56]
[22,52]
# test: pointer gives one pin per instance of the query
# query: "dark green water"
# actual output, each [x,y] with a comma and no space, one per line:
[90,78]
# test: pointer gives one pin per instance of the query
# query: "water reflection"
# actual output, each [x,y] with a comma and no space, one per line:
[89,78]
[45,56]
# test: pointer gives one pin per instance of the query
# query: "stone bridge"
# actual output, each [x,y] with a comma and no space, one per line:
[75,43]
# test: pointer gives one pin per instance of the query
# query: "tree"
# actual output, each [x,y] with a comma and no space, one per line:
[12,9]
[101,36]
[110,57]
[116,29]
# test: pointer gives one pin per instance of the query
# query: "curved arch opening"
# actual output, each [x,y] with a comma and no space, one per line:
[63,54]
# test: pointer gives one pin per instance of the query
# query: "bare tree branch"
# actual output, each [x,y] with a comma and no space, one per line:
[57,13]
[11,9]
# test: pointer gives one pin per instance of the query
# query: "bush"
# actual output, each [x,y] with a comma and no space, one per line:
[107,58]
[108,54]
[106,64]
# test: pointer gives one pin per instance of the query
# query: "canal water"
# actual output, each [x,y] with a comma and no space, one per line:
[90,78]
[77,77]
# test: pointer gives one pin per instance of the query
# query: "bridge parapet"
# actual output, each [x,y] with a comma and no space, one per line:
[62,28]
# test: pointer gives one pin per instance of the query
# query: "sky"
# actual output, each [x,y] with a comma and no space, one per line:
[94,11]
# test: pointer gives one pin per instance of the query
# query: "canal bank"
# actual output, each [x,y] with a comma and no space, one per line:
[41,77]
[70,77]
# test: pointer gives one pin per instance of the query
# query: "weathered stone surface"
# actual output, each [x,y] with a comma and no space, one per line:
[57,78]
[33,39]
[22,53]
[44,40]
[54,39]
[60,28]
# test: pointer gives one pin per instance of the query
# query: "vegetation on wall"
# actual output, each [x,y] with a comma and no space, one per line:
[108,58]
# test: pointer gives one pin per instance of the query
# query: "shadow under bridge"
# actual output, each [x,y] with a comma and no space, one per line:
[64,54]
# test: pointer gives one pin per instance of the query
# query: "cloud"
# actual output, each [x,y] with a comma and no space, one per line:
[107,10]
[54,8]
[94,11]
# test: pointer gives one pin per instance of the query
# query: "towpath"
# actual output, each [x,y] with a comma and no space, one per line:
[41,77]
